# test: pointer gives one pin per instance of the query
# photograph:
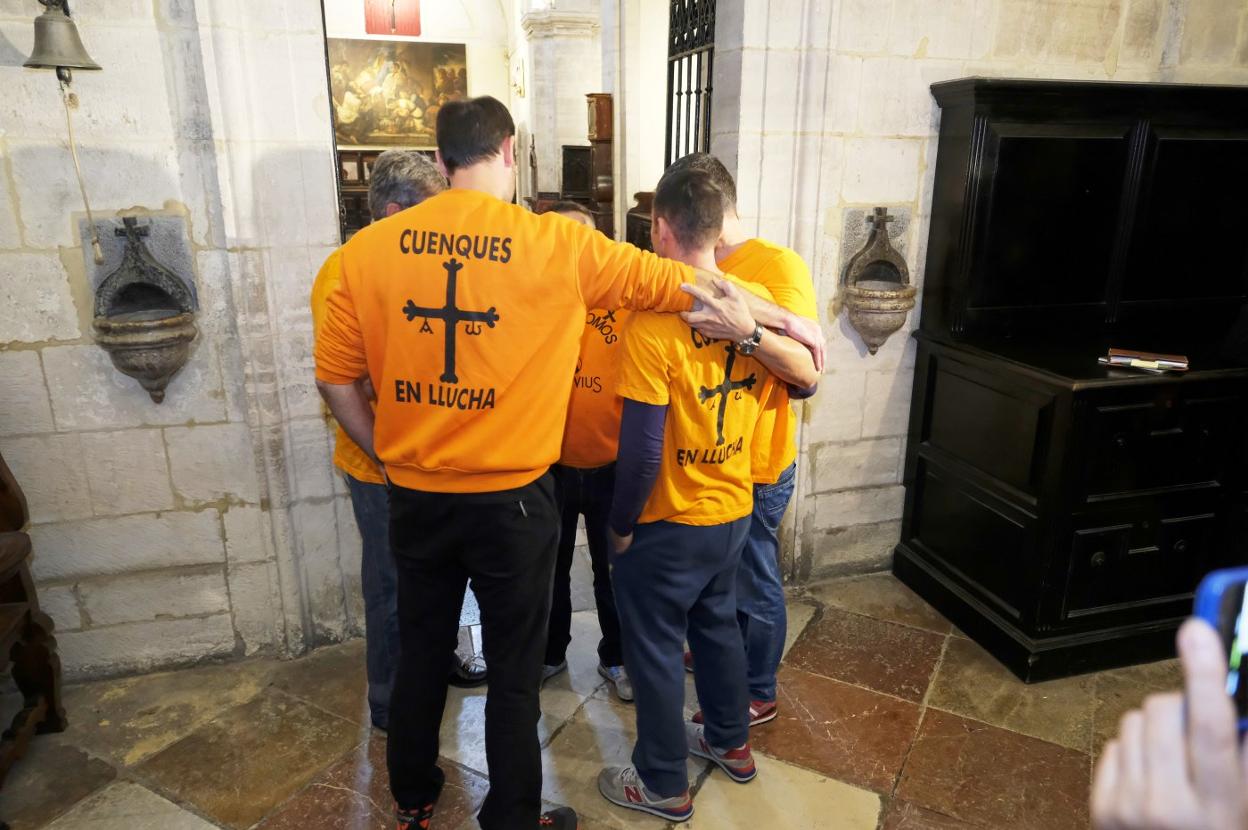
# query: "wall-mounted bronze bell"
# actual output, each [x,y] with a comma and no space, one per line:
[57,44]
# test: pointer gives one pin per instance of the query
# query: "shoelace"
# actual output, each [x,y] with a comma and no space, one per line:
[415,821]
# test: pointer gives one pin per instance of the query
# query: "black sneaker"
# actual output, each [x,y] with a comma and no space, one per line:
[563,818]
[468,673]
[414,820]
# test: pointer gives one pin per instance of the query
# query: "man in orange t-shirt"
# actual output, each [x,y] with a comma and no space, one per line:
[465,312]
[400,179]
[760,589]
[586,476]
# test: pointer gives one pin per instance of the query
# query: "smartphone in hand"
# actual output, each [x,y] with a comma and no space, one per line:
[1221,601]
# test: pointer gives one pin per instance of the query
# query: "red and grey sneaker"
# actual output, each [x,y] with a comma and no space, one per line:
[622,786]
[738,763]
[414,819]
[761,711]
[561,818]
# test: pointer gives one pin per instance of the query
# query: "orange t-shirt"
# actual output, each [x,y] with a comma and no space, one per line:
[783,273]
[466,314]
[713,397]
[348,456]
[592,435]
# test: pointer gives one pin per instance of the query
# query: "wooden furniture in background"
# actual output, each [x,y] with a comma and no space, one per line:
[26,641]
[1061,512]
[355,171]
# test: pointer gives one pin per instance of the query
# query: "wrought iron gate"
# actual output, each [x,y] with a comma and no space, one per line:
[690,57]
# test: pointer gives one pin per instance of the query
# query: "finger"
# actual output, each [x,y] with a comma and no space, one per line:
[1105,789]
[1165,751]
[699,293]
[1212,733]
[820,354]
[726,288]
[1132,786]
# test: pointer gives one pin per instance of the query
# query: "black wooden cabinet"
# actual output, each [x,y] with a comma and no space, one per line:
[1058,511]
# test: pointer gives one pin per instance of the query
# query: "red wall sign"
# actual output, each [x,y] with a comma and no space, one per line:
[392,17]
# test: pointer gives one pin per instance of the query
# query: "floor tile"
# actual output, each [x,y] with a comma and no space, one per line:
[332,678]
[251,758]
[841,731]
[883,597]
[970,682]
[48,780]
[354,794]
[882,656]
[600,735]
[982,774]
[902,815]
[130,719]
[783,796]
[127,806]
[800,613]
[463,728]
[1120,690]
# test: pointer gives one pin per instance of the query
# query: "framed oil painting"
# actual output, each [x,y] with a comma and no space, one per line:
[389,92]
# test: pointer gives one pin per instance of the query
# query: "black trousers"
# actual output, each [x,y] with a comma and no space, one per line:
[505,542]
[587,492]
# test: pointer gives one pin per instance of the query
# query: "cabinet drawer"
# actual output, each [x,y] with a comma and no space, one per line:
[1167,441]
[1144,557]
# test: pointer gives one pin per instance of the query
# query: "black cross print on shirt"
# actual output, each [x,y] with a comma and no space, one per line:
[725,389]
[451,316]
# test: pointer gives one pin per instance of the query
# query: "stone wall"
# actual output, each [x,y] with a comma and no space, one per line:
[209,525]
[823,110]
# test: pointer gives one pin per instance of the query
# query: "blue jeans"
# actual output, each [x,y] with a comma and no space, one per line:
[760,589]
[677,582]
[379,584]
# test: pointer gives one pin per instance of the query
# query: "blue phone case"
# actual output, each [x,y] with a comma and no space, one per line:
[1209,603]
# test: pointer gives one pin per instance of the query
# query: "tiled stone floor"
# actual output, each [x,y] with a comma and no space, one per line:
[889,719]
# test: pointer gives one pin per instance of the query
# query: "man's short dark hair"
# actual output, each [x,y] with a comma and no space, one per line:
[713,167]
[405,177]
[569,206]
[692,204]
[472,130]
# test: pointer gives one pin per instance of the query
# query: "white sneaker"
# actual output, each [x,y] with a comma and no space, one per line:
[618,677]
[552,671]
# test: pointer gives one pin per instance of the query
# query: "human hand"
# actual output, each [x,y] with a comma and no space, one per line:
[1162,774]
[619,544]
[810,334]
[721,313]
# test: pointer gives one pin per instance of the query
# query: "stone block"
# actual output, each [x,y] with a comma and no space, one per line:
[309,455]
[317,541]
[835,412]
[778,172]
[59,602]
[51,472]
[144,646]
[1057,31]
[24,403]
[896,98]
[151,596]
[10,234]
[844,90]
[213,462]
[36,303]
[136,173]
[726,85]
[860,464]
[256,604]
[748,174]
[857,507]
[881,170]
[922,30]
[864,26]
[247,538]
[886,408]
[1141,45]
[350,560]
[781,91]
[849,551]
[89,393]
[1210,32]
[95,547]
[127,471]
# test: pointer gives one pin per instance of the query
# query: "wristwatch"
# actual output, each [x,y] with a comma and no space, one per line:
[747,346]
